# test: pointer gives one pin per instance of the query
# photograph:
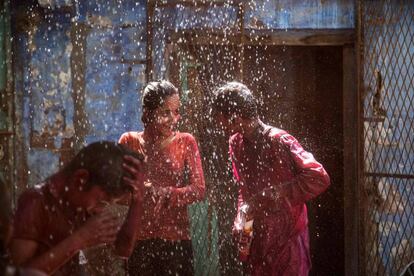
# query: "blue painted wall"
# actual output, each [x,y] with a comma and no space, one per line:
[115,54]
[115,44]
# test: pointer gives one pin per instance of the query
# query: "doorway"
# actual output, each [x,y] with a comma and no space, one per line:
[299,89]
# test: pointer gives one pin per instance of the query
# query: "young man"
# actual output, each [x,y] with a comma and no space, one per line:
[276,177]
[66,214]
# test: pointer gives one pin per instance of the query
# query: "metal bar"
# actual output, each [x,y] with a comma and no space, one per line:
[240,25]
[194,3]
[293,37]
[150,18]
[350,165]
[78,35]
[390,175]
[360,144]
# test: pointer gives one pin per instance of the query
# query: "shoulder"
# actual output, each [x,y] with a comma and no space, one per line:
[32,219]
[31,205]
[185,137]
[277,135]
[283,139]
[130,135]
[31,198]
[133,139]
[235,140]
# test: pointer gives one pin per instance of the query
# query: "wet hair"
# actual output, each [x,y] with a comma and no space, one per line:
[103,160]
[154,96]
[234,99]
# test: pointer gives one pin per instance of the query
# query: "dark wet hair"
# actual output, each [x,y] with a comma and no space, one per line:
[103,160]
[234,99]
[154,95]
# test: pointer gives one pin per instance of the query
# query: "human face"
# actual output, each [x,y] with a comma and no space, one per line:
[166,116]
[226,124]
[89,198]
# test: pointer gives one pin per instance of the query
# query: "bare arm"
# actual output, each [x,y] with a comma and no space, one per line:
[125,241]
[96,230]
[23,254]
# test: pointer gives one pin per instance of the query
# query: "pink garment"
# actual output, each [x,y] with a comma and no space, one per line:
[276,162]
[177,165]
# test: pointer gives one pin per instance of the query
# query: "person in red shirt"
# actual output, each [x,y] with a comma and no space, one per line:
[173,180]
[59,218]
[276,177]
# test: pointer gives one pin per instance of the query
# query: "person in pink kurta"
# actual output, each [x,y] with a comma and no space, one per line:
[276,177]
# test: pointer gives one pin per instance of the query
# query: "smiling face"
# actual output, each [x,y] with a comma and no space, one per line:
[165,118]
[227,125]
[90,197]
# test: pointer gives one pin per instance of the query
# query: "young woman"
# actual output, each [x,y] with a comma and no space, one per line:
[173,178]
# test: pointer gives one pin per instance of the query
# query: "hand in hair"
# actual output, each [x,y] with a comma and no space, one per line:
[99,229]
[135,178]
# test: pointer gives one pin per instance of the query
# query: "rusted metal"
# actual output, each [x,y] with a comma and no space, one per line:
[240,23]
[79,32]
[392,175]
[386,124]
[149,25]
[302,37]
[350,138]
[194,3]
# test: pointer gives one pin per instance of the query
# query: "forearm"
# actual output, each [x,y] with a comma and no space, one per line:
[305,187]
[53,259]
[299,190]
[186,195]
[125,241]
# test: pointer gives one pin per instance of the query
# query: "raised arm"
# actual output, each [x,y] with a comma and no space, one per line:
[97,230]
[310,179]
[125,242]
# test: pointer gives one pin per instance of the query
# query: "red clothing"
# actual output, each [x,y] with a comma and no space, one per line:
[176,165]
[277,161]
[40,218]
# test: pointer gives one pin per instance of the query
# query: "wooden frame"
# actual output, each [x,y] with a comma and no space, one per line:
[293,37]
[346,39]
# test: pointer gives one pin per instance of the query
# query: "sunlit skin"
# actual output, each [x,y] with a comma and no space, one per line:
[162,125]
[164,120]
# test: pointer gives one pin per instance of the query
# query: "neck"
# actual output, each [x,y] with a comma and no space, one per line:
[252,129]
[153,136]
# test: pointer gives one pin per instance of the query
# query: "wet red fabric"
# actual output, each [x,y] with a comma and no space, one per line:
[276,161]
[40,218]
[177,166]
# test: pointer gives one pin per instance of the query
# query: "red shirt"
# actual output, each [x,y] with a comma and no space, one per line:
[276,160]
[39,217]
[176,165]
